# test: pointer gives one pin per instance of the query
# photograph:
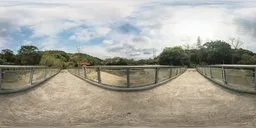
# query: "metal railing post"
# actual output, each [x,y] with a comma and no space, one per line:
[1,79]
[128,77]
[98,74]
[224,77]
[255,78]
[78,71]
[176,72]
[85,75]
[170,73]
[205,71]
[44,73]
[156,75]
[222,74]
[211,72]
[31,76]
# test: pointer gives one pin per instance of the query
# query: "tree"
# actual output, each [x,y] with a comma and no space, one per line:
[236,43]
[187,46]
[115,61]
[239,56]
[2,60]
[28,55]
[247,59]
[173,56]
[218,52]
[55,58]
[8,56]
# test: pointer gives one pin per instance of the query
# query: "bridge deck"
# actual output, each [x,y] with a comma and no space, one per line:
[189,100]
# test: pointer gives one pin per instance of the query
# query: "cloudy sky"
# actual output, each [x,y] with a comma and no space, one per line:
[126,28]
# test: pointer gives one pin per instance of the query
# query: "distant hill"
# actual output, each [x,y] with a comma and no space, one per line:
[55,58]
[91,59]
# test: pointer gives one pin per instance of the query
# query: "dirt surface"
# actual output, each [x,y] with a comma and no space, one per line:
[189,100]
[112,79]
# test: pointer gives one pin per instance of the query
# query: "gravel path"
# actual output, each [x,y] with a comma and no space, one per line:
[67,101]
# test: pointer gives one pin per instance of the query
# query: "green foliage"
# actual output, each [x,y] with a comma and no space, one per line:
[213,52]
[62,59]
[28,55]
[242,56]
[115,61]
[8,56]
[239,56]
[173,56]
[77,57]
[124,61]
[247,59]
[54,59]
[2,61]
[218,52]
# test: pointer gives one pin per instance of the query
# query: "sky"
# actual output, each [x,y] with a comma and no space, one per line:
[125,28]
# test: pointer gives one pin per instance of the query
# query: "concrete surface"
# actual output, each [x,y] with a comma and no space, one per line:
[187,101]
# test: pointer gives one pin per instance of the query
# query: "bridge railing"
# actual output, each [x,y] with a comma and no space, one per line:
[19,78]
[236,77]
[128,78]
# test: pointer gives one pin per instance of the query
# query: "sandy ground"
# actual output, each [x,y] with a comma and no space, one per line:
[111,79]
[189,100]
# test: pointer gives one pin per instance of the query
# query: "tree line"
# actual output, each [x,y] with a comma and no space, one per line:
[27,55]
[30,55]
[212,52]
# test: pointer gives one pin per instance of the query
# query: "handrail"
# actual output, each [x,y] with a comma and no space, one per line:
[233,66]
[125,74]
[133,66]
[20,66]
[16,78]
[227,75]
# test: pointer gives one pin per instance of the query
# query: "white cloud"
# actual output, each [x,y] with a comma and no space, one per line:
[48,18]
[51,28]
[84,35]
[50,44]
[27,42]
[108,42]
[102,30]
[98,51]
[180,25]
[161,24]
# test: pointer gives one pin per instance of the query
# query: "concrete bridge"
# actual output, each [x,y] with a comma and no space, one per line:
[187,101]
